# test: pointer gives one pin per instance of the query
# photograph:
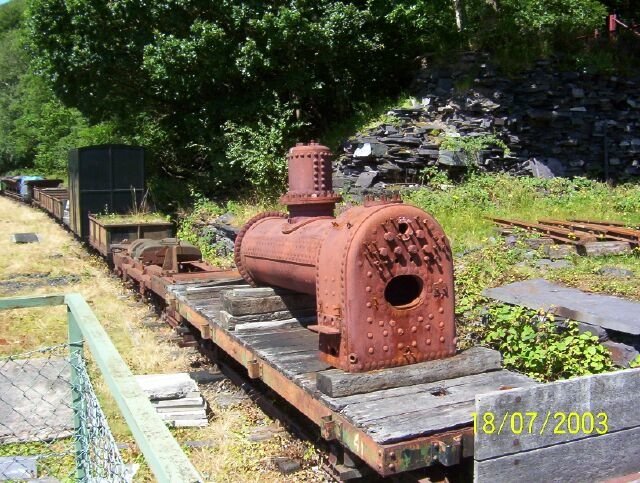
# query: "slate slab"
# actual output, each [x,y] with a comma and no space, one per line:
[606,311]
[24,238]
[35,400]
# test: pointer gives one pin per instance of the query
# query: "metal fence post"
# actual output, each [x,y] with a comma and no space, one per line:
[76,346]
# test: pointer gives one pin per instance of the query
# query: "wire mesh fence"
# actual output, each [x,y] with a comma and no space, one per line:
[52,426]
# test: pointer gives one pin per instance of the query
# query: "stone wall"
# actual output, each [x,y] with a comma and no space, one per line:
[555,123]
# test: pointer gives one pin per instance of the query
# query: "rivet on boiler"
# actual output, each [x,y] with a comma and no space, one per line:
[369,335]
[370,350]
[441,338]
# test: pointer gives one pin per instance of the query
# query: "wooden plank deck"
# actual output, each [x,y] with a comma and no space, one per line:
[402,417]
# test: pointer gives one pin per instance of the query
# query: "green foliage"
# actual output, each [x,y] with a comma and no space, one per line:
[533,344]
[472,145]
[258,149]
[190,229]
[635,363]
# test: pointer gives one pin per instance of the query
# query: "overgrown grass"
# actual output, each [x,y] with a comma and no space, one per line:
[462,209]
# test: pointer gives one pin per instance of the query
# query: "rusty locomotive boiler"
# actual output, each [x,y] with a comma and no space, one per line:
[382,273]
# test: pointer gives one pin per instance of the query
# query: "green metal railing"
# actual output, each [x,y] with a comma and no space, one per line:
[162,453]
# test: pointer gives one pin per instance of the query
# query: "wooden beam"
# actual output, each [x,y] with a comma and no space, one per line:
[337,383]
[582,429]
[30,302]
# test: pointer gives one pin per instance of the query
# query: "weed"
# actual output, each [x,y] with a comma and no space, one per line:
[532,343]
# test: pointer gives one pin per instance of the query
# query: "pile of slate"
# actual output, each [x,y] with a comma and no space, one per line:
[176,398]
[554,122]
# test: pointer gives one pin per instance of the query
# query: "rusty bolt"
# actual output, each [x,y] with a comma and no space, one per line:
[369,274]
[397,250]
[400,331]
[369,335]
[383,252]
[430,316]
[368,304]
[441,338]
[389,236]
[420,318]
[441,310]
[353,358]
[370,350]
[420,233]
[370,320]
[412,249]
[385,333]
[441,325]
[428,326]
[368,289]
[428,341]
[385,348]
[381,323]
[392,323]
[414,343]
[414,329]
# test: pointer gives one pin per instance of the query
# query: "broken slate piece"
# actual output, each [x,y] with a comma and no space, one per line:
[606,311]
[287,465]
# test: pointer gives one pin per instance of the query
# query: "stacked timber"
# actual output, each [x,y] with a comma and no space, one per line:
[176,398]
[248,308]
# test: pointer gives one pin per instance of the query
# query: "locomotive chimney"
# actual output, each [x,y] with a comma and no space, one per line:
[310,186]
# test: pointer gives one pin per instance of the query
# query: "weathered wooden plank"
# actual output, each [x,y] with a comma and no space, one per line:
[337,383]
[271,324]
[591,459]
[612,313]
[241,305]
[433,395]
[229,321]
[392,419]
[260,292]
[301,362]
[615,394]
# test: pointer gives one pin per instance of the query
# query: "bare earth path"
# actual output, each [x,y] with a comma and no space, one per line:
[223,451]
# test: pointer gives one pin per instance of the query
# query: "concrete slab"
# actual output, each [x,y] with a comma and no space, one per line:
[606,311]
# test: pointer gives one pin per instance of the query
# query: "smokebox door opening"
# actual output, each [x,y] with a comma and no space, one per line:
[403,291]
